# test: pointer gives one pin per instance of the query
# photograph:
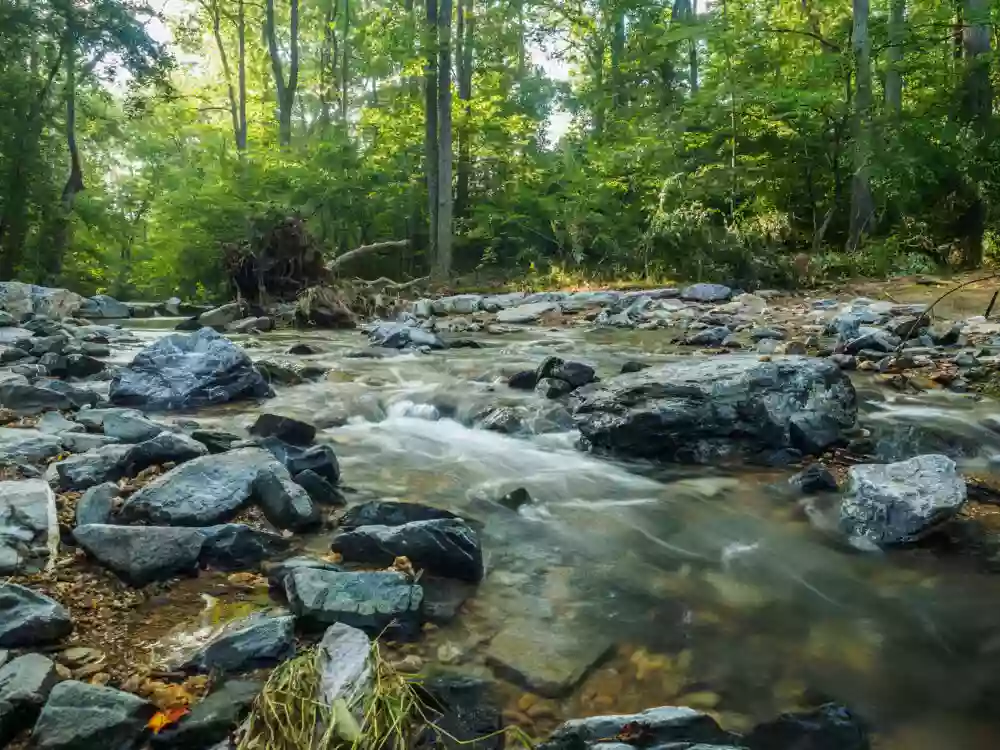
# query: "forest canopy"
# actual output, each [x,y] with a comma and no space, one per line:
[723,141]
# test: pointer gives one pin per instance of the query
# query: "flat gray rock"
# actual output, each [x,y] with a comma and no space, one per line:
[142,554]
[544,662]
[175,447]
[96,504]
[32,446]
[53,423]
[29,618]
[660,726]
[526,313]
[25,683]
[253,642]
[96,466]
[81,442]
[203,492]
[706,293]
[369,601]
[27,521]
[130,426]
[79,716]
[901,502]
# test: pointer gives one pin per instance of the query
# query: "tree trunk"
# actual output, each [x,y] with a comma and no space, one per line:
[894,76]
[617,53]
[345,66]
[431,125]
[442,266]
[241,35]
[977,108]
[327,63]
[216,13]
[862,204]
[466,26]
[285,91]
[683,13]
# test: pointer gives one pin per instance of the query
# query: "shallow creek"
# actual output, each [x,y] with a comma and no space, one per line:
[704,586]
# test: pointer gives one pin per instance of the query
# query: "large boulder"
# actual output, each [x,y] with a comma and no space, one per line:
[25,683]
[185,371]
[445,547]
[103,306]
[700,409]
[254,642]
[142,554]
[21,299]
[79,716]
[96,466]
[28,618]
[203,492]
[372,602]
[27,523]
[222,316]
[660,727]
[290,430]
[706,293]
[902,502]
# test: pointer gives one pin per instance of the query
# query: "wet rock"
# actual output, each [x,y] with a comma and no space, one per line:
[391,513]
[459,304]
[93,419]
[706,293]
[191,324]
[289,430]
[28,618]
[27,518]
[661,727]
[530,655]
[444,547]
[813,479]
[203,492]
[211,720]
[576,374]
[966,359]
[53,422]
[759,334]
[81,442]
[186,371]
[142,554]
[552,388]
[103,306]
[844,361]
[398,336]
[96,350]
[278,372]
[54,364]
[97,504]
[23,398]
[793,348]
[633,366]
[524,380]
[164,448]
[701,409]
[876,340]
[216,441]
[714,336]
[79,395]
[248,325]
[221,316]
[129,426]
[515,499]
[28,445]
[318,458]
[13,354]
[529,313]
[79,716]
[276,573]
[25,683]
[901,502]
[503,419]
[829,727]
[284,503]
[467,714]
[236,546]
[99,465]
[946,334]
[303,349]
[254,642]
[319,489]
[372,602]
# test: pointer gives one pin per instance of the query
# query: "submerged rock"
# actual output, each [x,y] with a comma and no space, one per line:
[79,716]
[142,554]
[660,727]
[399,336]
[829,727]
[372,602]
[28,618]
[812,479]
[186,371]
[701,409]
[25,683]
[202,492]
[254,642]
[901,502]
[391,513]
[446,547]
[236,546]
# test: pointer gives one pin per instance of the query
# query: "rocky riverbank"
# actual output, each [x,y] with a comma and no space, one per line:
[125,507]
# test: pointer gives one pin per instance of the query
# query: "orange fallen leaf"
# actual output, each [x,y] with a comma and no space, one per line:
[163,719]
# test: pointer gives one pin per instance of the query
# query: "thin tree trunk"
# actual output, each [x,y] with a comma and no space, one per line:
[276,67]
[977,109]
[466,35]
[862,204]
[241,35]
[521,52]
[285,91]
[216,13]
[442,266]
[327,63]
[894,76]
[74,182]
[617,53]
[345,68]
[431,125]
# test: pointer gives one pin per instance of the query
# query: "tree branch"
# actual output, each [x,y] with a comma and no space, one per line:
[365,250]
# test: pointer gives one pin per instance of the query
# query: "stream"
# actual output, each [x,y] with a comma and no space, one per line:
[702,586]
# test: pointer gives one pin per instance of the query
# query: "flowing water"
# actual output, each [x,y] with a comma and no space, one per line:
[706,586]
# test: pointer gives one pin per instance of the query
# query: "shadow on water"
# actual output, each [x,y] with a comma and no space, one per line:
[713,576]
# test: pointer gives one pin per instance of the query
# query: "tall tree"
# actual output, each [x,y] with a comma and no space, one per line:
[893,74]
[442,260]
[431,123]
[466,40]
[285,89]
[862,203]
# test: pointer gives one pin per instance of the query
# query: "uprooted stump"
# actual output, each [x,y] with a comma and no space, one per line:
[325,307]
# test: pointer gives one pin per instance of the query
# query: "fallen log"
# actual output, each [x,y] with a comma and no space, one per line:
[376,247]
